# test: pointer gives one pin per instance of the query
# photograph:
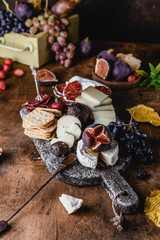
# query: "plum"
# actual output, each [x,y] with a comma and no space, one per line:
[121,70]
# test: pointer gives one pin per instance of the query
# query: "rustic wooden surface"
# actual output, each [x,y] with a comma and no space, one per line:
[44,218]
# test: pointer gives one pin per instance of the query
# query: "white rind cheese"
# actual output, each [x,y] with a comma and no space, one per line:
[94,95]
[70,203]
[67,138]
[86,158]
[104,108]
[110,156]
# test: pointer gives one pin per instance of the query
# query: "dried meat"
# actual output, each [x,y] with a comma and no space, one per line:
[104,89]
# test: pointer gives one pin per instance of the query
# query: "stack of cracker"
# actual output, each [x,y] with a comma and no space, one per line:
[41,123]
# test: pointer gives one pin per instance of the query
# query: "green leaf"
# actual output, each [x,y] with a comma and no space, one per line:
[143,73]
[152,68]
[145,82]
[157,69]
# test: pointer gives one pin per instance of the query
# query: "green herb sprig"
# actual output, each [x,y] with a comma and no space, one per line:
[152,78]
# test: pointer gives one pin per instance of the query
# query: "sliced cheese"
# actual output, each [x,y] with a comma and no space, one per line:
[73,129]
[106,101]
[66,137]
[85,156]
[104,121]
[69,124]
[94,95]
[110,156]
[104,114]
[68,120]
[88,103]
[70,203]
[104,108]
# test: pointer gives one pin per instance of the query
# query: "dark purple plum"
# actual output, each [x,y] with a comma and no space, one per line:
[121,70]
[24,10]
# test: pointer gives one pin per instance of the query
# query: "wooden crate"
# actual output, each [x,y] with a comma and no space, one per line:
[33,49]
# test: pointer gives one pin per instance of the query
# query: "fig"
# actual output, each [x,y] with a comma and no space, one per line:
[80,111]
[24,10]
[60,149]
[121,70]
[102,68]
[97,137]
[45,77]
[86,47]
[107,55]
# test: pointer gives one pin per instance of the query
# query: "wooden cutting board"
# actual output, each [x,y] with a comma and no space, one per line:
[110,178]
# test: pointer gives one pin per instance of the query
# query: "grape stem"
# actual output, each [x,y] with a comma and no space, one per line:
[7,6]
[46,7]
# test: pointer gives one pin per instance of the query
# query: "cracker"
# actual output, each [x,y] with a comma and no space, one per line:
[39,119]
[42,130]
[56,112]
[26,124]
[40,136]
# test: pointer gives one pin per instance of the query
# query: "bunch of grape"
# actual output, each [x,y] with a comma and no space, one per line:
[58,35]
[8,22]
[131,141]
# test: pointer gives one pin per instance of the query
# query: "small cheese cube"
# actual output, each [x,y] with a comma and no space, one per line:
[70,203]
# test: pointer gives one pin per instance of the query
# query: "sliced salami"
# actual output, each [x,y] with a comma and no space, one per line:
[104,89]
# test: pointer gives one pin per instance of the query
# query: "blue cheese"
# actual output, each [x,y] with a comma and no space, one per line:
[86,157]
[70,203]
[110,156]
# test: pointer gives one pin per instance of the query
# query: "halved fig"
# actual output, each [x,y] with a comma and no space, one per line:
[97,137]
[45,77]
[102,68]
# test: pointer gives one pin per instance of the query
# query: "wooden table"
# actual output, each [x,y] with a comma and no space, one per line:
[44,218]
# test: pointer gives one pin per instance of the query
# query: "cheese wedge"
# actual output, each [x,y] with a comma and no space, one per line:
[104,114]
[104,121]
[110,156]
[70,203]
[94,95]
[106,101]
[86,102]
[104,108]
